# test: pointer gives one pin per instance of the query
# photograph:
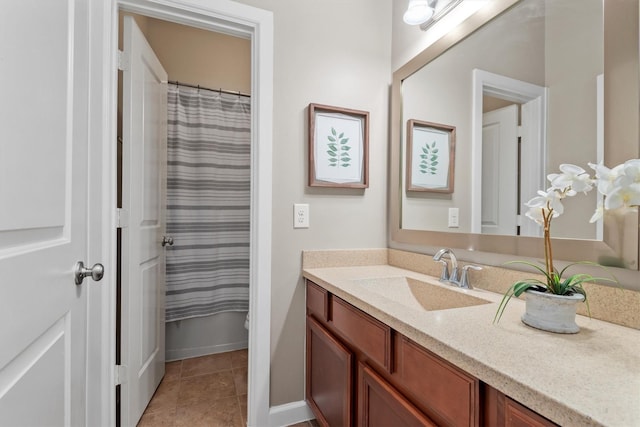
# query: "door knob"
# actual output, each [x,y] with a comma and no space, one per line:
[166,240]
[80,272]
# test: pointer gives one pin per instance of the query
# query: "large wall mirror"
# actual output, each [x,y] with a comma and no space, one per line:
[527,85]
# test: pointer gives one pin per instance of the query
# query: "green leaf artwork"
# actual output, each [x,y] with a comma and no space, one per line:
[429,159]
[338,150]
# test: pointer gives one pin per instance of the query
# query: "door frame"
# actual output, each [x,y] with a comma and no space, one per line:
[498,86]
[221,16]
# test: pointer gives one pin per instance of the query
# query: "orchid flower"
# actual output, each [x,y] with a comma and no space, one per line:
[606,177]
[623,196]
[598,214]
[545,201]
[572,180]
[619,185]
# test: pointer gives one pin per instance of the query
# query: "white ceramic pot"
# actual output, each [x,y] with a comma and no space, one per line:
[553,313]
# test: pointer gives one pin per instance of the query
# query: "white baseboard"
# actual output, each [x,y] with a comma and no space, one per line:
[290,413]
[187,353]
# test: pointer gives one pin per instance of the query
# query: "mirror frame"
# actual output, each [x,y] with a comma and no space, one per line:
[622,123]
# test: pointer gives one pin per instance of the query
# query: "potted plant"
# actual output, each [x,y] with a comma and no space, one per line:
[551,302]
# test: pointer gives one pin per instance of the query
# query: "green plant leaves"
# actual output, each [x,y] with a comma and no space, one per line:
[553,284]
[338,149]
[429,159]
[515,290]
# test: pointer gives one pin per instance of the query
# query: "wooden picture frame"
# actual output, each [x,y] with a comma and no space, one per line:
[338,147]
[430,157]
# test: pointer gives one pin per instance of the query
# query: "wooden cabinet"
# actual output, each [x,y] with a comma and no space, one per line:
[449,395]
[361,331]
[501,411]
[381,405]
[516,415]
[362,372]
[329,386]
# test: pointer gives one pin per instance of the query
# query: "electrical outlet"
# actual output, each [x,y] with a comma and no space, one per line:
[300,215]
[454,217]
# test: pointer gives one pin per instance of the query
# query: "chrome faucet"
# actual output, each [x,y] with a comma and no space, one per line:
[452,276]
[464,278]
[447,276]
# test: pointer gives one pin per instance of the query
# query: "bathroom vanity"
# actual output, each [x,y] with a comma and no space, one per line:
[388,346]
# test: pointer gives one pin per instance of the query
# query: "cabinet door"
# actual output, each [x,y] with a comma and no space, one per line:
[516,415]
[380,405]
[329,377]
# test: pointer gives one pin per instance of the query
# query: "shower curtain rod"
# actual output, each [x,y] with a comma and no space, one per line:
[230,92]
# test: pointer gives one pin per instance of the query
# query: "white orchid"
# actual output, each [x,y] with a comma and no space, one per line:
[545,203]
[605,177]
[623,196]
[598,214]
[572,180]
[632,170]
[620,187]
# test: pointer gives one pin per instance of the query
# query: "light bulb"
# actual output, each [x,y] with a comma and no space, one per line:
[418,12]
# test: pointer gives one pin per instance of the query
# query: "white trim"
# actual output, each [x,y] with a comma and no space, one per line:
[533,149]
[511,90]
[599,146]
[222,16]
[290,413]
[100,376]
[188,353]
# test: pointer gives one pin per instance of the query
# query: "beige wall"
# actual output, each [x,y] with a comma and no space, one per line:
[575,56]
[199,57]
[334,52]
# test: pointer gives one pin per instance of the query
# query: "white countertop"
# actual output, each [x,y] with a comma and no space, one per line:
[586,379]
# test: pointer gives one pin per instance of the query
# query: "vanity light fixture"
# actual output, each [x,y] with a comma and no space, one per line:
[418,12]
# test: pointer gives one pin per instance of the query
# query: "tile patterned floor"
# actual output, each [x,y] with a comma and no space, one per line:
[204,391]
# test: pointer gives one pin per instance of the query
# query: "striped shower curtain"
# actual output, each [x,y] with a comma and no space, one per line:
[208,184]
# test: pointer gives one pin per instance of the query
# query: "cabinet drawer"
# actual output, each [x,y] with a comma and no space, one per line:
[317,301]
[381,405]
[449,394]
[367,334]
[517,415]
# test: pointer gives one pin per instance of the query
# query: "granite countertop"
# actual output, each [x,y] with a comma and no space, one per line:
[586,379]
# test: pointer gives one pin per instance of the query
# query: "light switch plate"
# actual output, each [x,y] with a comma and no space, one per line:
[300,215]
[454,217]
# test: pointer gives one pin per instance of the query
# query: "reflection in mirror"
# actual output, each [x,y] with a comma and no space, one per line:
[522,94]
[574,126]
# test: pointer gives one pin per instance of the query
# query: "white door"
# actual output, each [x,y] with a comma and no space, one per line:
[500,171]
[144,201]
[532,170]
[44,57]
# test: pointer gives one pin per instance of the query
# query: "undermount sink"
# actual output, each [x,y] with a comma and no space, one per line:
[419,294]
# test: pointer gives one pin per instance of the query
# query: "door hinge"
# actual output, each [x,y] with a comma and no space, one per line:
[123,61]
[122,218]
[120,374]
[520,131]
[519,220]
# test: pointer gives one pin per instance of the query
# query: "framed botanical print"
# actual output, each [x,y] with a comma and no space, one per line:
[430,157]
[338,147]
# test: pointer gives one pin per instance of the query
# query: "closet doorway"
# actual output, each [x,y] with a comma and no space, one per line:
[208,281]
